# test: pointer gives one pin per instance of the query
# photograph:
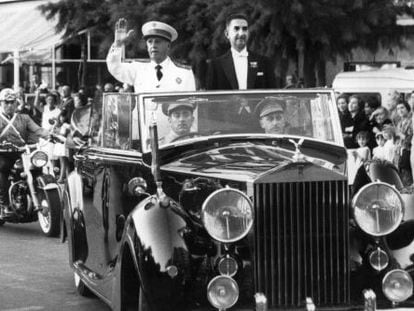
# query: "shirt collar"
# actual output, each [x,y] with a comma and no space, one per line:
[163,64]
[242,53]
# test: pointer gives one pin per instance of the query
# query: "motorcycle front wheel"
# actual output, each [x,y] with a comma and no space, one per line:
[49,215]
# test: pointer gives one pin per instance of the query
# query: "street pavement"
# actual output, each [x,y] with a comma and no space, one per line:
[35,274]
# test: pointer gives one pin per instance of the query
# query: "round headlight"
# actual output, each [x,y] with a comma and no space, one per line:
[378,208]
[378,259]
[227,215]
[222,292]
[228,266]
[397,285]
[39,158]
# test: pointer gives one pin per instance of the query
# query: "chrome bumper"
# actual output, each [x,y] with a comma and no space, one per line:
[370,302]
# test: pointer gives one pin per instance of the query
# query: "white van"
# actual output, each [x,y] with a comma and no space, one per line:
[380,83]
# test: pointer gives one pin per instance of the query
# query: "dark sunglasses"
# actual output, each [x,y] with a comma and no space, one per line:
[9,102]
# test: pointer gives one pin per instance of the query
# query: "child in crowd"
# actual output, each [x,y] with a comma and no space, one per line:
[378,152]
[391,151]
[362,153]
[62,130]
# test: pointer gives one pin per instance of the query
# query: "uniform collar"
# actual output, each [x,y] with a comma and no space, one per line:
[163,64]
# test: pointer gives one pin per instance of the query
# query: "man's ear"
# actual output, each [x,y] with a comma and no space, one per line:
[226,33]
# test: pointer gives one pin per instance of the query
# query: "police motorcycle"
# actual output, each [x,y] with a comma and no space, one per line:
[33,192]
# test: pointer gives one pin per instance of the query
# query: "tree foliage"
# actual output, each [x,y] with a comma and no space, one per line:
[311,30]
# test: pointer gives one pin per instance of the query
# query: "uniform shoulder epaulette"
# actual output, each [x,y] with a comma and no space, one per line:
[137,60]
[181,65]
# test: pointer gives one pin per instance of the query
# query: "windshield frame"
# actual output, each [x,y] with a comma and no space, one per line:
[143,123]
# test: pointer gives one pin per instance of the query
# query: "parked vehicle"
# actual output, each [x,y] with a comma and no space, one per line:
[33,192]
[380,83]
[228,216]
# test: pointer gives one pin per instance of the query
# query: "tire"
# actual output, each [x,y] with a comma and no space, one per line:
[49,217]
[81,288]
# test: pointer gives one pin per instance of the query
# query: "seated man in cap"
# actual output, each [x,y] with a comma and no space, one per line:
[15,128]
[180,117]
[271,113]
[160,74]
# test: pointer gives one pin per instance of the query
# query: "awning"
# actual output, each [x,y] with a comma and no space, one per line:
[23,27]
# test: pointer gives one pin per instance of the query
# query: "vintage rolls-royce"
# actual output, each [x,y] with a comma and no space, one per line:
[241,200]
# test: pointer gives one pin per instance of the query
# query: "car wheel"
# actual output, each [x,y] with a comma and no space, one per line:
[81,288]
[49,215]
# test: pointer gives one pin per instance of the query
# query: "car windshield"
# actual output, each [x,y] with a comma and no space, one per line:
[184,118]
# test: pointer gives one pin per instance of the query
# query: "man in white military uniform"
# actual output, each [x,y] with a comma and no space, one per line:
[161,73]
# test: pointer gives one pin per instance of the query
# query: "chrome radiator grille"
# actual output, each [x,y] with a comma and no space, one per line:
[301,243]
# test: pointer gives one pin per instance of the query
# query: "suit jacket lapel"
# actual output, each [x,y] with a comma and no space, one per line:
[228,67]
[252,64]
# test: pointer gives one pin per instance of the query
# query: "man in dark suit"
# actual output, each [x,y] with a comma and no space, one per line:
[238,68]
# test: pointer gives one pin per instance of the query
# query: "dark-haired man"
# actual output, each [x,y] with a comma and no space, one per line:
[238,68]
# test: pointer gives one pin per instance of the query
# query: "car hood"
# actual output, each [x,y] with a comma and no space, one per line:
[253,162]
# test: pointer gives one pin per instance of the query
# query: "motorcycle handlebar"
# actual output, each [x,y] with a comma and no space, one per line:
[10,147]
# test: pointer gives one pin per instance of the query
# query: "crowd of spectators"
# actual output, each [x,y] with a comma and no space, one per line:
[379,131]
[53,109]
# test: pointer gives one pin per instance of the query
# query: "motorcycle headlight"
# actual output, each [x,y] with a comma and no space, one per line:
[227,215]
[378,208]
[397,285]
[39,158]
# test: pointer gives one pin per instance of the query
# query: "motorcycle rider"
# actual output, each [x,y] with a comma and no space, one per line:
[17,129]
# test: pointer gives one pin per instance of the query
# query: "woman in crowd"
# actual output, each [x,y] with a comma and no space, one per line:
[404,130]
[378,119]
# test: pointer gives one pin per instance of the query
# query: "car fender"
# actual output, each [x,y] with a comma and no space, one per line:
[161,253]
[73,217]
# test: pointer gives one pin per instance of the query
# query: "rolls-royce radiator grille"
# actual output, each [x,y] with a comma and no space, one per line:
[301,243]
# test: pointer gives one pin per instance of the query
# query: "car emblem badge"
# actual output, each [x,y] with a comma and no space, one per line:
[178,80]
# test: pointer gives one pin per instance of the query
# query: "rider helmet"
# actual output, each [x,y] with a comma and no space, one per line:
[7,94]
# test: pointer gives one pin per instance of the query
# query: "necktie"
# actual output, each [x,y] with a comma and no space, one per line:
[159,73]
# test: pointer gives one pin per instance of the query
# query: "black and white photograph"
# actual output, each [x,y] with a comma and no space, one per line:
[199,155]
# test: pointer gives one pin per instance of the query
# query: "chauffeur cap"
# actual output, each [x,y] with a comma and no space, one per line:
[269,105]
[7,94]
[167,108]
[159,29]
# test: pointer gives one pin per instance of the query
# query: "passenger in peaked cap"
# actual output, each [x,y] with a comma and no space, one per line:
[160,74]
[180,117]
[271,114]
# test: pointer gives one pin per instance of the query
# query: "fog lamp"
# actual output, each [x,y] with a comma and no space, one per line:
[228,266]
[378,208]
[378,259]
[39,158]
[397,285]
[222,292]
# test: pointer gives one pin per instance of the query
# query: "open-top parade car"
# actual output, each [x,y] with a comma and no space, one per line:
[194,201]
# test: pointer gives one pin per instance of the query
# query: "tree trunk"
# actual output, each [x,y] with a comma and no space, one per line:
[321,73]
[309,69]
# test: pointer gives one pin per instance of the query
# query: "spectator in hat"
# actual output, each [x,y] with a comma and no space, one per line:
[239,69]
[158,75]
[271,114]
[180,117]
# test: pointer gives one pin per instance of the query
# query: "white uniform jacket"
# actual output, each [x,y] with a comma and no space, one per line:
[142,75]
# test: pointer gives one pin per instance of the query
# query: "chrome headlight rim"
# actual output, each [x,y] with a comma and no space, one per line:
[39,158]
[224,262]
[385,290]
[362,192]
[211,232]
[375,258]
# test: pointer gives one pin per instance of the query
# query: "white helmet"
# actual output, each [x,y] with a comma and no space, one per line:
[7,94]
